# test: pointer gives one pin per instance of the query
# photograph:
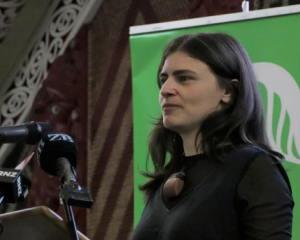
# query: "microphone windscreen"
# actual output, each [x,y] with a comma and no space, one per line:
[54,146]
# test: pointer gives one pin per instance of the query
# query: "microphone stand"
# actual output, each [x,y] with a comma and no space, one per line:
[70,220]
[1,198]
[72,194]
[1,201]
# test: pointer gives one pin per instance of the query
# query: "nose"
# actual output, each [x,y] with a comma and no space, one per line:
[168,89]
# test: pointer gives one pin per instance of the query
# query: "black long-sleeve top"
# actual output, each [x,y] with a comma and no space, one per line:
[263,199]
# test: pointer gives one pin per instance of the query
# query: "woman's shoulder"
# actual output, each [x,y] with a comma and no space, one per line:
[247,155]
[262,164]
[241,152]
[251,152]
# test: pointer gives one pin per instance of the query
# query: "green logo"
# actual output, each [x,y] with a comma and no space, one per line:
[281,98]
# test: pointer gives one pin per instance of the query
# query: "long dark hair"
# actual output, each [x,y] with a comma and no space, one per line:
[237,123]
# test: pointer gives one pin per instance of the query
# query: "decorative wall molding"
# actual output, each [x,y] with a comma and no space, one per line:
[8,12]
[263,4]
[65,23]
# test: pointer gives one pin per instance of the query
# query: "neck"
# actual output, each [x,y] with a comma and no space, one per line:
[189,144]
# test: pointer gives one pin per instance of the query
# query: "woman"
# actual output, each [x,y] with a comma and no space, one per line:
[222,180]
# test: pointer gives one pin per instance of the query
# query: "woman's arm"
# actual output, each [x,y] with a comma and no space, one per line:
[264,201]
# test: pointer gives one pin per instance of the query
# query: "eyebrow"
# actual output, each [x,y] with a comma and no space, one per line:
[178,72]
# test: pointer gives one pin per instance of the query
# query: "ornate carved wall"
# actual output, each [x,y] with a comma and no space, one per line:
[57,95]
[62,101]
[203,8]
[260,4]
[8,12]
[20,95]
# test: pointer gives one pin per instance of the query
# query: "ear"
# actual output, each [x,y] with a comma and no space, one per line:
[227,96]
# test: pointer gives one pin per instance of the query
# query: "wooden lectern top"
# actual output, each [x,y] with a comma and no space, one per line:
[38,223]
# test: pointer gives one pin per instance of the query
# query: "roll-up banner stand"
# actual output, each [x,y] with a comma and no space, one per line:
[272,39]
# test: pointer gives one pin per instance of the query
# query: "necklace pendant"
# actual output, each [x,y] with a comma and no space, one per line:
[174,185]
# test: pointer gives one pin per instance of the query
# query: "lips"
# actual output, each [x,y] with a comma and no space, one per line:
[170,106]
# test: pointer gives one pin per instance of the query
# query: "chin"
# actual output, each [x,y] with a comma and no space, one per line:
[171,125]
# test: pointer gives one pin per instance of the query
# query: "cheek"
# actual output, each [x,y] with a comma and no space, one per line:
[160,98]
[204,100]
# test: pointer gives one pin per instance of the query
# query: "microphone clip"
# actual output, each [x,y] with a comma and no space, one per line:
[74,195]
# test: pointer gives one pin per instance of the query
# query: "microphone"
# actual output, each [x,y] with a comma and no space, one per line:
[29,133]
[13,185]
[57,156]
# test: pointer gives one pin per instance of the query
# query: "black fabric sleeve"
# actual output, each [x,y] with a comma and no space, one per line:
[264,200]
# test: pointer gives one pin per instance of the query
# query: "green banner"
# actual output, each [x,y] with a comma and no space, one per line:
[273,44]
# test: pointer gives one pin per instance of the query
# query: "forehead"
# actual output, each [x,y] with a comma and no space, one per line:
[180,60]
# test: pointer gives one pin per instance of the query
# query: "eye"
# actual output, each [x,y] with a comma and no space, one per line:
[163,80]
[184,78]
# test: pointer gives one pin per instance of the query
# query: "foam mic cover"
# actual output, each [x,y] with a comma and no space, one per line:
[54,146]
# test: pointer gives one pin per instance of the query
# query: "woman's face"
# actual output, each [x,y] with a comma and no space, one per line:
[188,94]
